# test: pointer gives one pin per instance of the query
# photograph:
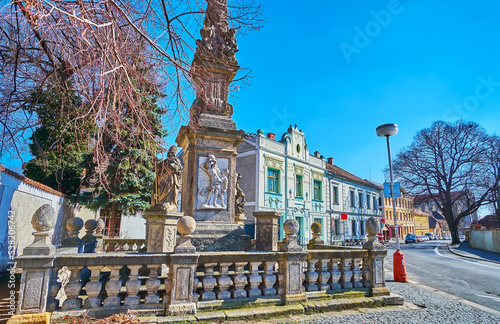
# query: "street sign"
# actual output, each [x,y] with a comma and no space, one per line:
[387,189]
[382,220]
[343,216]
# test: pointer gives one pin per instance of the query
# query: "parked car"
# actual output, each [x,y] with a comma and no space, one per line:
[410,238]
[429,236]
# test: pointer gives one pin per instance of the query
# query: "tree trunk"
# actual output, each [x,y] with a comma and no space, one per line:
[454,233]
[112,221]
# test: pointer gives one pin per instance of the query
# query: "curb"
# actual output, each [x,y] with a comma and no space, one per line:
[470,256]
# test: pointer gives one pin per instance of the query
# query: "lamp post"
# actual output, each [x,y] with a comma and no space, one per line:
[399,269]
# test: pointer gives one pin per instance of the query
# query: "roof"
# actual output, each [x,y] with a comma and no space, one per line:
[490,222]
[349,176]
[31,182]
[425,198]
[420,212]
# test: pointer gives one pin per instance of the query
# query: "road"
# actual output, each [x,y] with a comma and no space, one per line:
[430,263]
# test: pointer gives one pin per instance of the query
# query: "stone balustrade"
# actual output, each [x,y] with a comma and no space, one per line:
[184,281]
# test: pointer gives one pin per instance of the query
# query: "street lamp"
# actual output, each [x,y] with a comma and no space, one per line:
[399,269]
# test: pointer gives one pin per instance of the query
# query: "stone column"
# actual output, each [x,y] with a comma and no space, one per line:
[37,263]
[267,230]
[180,281]
[375,260]
[291,268]
[316,234]
[161,231]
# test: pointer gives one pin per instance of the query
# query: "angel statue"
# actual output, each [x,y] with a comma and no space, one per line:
[167,181]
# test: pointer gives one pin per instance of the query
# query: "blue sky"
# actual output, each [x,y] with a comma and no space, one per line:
[423,61]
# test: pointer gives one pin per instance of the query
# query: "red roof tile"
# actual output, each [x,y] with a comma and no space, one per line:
[31,182]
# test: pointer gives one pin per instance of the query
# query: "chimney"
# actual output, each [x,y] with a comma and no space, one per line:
[330,160]
[271,136]
[317,154]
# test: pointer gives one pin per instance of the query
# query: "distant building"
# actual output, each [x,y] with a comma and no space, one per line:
[421,219]
[281,175]
[20,198]
[404,209]
[426,203]
[354,197]
[489,222]
[437,224]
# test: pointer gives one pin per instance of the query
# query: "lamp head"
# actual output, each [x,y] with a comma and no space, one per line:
[387,130]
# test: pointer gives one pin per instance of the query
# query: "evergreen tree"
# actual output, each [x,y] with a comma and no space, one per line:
[60,144]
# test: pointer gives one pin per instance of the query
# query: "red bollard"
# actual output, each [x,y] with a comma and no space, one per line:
[399,267]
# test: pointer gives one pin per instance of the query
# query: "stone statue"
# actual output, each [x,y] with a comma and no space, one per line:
[217,186]
[239,197]
[166,184]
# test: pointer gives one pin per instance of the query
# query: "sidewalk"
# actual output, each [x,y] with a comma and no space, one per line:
[464,250]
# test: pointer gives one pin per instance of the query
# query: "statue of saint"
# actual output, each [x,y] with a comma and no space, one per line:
[239,197]
[217,185]
[166,185]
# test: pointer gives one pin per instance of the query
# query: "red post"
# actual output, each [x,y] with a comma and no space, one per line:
[399,267]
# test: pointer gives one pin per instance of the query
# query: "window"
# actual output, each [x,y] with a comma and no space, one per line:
[368,201]
[273,180]
[360,196]
[353,226]
[352,199]
[298,186]
[317,190]
[106,216]
[335,194]
[375,203]
[362,227]
[337,227]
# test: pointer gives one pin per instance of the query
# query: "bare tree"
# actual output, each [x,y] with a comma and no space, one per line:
[111,53]
[492,178]
[448,163]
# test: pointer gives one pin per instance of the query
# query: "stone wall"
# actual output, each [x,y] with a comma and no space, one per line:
[488,240]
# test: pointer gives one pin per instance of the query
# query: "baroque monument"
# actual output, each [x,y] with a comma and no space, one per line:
[209,177]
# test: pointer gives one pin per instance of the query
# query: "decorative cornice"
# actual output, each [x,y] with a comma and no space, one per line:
[299,170]
[274,163]
[317,176]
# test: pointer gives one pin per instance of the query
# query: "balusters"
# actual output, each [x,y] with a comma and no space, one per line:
[254,280]
[152,285]
[269,279]
[335,274]
[240,280]
[366,274]
[209,282]
[93,288]
[224,281]
[346,274]
[324,275]
[72,289]
[113,287]
[196,283]
[357,274]
[54,287]
[311,276]
[133,285]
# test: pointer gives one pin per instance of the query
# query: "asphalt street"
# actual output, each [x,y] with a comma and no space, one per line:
[430,263]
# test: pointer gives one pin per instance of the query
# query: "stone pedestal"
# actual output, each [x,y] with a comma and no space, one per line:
[161,229]
[218,236]
[266,238]
[197,147]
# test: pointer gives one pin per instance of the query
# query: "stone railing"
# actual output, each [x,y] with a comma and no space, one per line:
[184,281]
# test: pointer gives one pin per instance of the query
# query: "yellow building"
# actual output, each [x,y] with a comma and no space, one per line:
[421,219]
[404,209]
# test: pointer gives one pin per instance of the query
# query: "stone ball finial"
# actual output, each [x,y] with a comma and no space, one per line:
[291,226]
[372,226]
[74,224]
[90,224]
[186,225]
[316,227]
[44,219]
